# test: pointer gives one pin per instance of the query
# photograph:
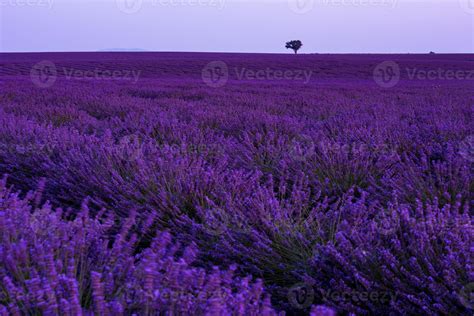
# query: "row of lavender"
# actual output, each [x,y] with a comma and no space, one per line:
[334,192]
[54,266]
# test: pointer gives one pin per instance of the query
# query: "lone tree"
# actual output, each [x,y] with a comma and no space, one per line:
[294,45]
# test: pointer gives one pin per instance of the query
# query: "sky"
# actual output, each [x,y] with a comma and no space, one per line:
[324,26]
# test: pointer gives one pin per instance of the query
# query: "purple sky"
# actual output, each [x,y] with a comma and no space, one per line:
[326,26]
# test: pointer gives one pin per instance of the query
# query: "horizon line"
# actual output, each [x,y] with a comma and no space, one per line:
[138,51]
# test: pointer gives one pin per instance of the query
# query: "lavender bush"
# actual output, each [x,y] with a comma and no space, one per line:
[50,265]
[337,193]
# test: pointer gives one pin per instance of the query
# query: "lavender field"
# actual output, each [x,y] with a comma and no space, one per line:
[236,184]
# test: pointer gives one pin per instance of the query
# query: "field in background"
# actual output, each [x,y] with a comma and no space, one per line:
[339,180]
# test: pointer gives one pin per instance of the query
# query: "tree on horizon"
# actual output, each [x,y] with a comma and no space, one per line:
[295,45]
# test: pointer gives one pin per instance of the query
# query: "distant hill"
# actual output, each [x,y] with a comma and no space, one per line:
[123,50]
